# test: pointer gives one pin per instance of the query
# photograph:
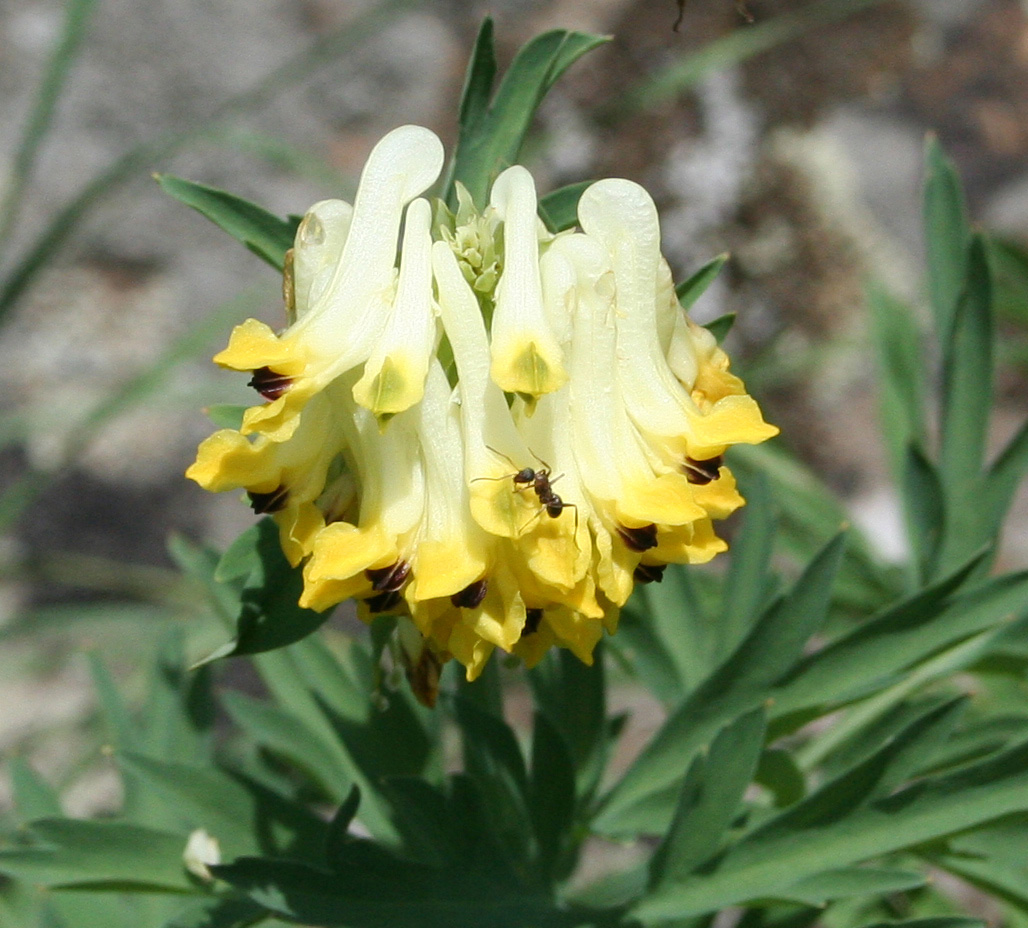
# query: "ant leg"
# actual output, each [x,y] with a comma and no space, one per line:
[575,507]
[504,477]
[539,512]
[502,455]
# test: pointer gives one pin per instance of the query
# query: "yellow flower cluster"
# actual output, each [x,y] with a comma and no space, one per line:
[493,435]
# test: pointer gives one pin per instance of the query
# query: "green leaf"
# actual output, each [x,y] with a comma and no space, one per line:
[678,616]
[710,799]
[824,887]
[778,772]
[337,837]
[551,796]
[967,381]
[947,237]
[1002,481]
[34,798]
[749,584]
[924,506]
[245,817]
[226,415]
[721,326]
[491,137]
[940,922]
[1009,261]
[901,374]
[270,616]
[904,633]
[284,735]
[572,696]
[140,158]
[200,563]
[808,515]
[264,233]
[386,893]
[100,855]
[493,761]
[478,81]
[691,289]
[794,846]
[219,912]
[559,208]
[743,682]
[77,14]
[686,70]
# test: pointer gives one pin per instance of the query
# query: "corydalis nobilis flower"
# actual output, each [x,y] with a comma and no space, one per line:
[493,435]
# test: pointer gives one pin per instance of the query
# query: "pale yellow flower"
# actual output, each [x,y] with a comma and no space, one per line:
[497,433]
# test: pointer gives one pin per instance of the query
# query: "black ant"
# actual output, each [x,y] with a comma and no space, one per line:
[541,484]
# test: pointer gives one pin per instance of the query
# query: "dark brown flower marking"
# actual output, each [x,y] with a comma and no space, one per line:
[388,579]
[639,539]
[649,573]
[472,595]
[383,602]
[274,501]
[532,619]
[702,472]
[269,384]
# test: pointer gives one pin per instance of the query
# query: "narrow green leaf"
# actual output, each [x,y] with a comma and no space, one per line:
[749,583]
[494,763]
[386,893]
[491,142]
[551,795]
[200,562]
[33,797]
[100,854]
[721,326]
[121,728]
[938,922]
[270,616]
[947,237]
[1009,260]
[742,683]
[691,289]
[226,415]
[245,817]
[710,799]
[286,736]
[478,82]
[559,208]
[688,69]
[776,856]
[778,772]
[676,612]
[264,233]
[642,651]
[1003,479]
[572,696]
[897,637]
[77,14]
[242,556]
[128,167]
[219,912]
[337,836]
[998,878]
[901,374]
[829,885]
[967,376]
[924,506]
[808,515]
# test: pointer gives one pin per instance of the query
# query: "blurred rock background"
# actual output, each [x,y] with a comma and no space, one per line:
[803,162]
